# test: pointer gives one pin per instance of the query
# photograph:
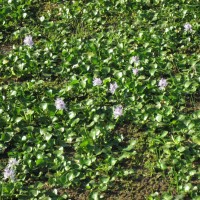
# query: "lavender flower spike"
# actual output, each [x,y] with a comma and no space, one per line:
[118,111]
[28,41]
[60,104]
[97,81]
[113,87]
[162,84]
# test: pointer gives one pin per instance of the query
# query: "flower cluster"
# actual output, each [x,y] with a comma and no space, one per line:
[97,81]
[9,171]
[28,41]
[118,111]
[187,27]
[113,87]
[60,104]
[134,59]
[135,71]
[162,84]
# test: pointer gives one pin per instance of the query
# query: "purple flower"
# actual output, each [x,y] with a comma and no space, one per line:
[113,87]
[162,84]
[9,173]
[118,111]
[134,59]
[60,104]
[135,71]
[97,81]
[188,27]
[28,41]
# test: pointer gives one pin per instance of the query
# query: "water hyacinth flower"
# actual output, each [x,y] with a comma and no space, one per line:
[134,59]
[135,71]
[113,87]
[188,27]
[9,173]
[60,104]
[97,81]
[118,111]
[162,84]
[28,41]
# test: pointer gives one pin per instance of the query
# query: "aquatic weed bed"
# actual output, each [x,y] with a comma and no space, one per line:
[99,99]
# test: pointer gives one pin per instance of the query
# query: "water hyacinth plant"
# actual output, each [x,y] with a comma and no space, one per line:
[105,106]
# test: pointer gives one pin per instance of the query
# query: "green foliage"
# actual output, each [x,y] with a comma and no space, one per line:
[74,43]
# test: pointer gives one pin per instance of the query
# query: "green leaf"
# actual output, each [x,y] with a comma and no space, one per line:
[39,161]
[6,137]
[130,146]
[162,165]
[152,71]
[187,84]
[187,187]
[159,118]
[119,74]
[72,114]
[198,114]
[43,131]
[74,122]
[18,119]
[35,192]
[181,149]
[196,139]
[59,152]
[44,106]
[95,133]
[105,179]
[89,102]
[168,110]
[95,196]
[24,138]
[70,176]
[85,143]
[74,82]
[47,136]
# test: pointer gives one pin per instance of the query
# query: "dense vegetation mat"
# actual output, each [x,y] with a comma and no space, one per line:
[99,99]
